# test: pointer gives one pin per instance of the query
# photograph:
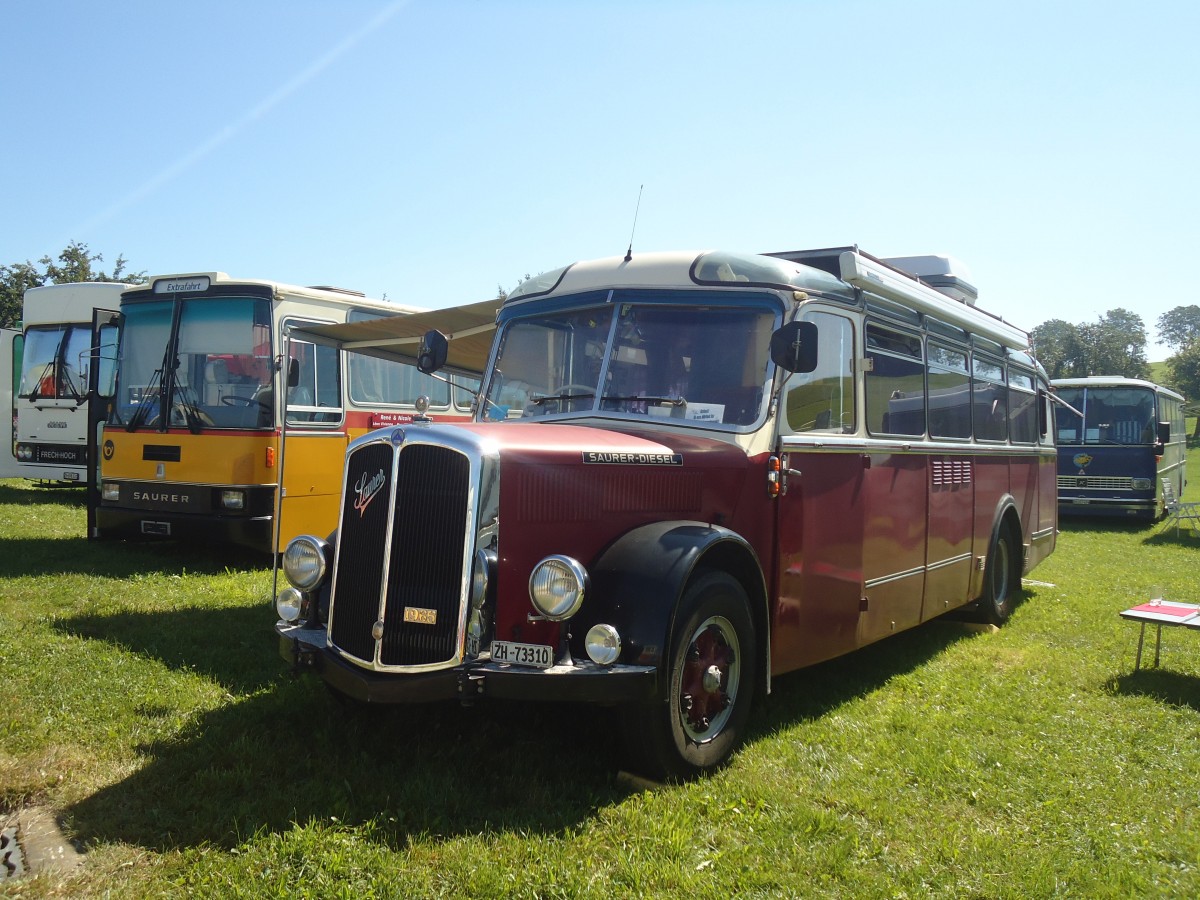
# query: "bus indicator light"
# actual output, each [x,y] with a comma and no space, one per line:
[270,457]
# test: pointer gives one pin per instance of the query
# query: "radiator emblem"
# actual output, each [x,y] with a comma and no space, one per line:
[366,489]
[420,616]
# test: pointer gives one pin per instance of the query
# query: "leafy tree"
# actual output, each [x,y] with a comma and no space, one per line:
[1115,344]
[1056,344]
[1180,326]
[73,264]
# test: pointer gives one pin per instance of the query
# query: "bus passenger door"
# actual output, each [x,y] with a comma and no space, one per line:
[102,385]
[819,533]
[10,369]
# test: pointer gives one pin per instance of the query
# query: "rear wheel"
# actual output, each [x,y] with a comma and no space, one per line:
[1001,578]
[700,722]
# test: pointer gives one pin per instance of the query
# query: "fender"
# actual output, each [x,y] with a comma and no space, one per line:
[638,580]
[1006,504]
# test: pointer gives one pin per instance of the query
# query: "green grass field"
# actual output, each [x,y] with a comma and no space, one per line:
[144,703]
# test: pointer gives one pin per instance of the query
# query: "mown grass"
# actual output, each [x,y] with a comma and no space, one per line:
[145,703]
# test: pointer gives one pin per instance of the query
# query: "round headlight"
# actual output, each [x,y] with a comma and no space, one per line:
[603,644]
[287,604]
[557,586]
[304,562]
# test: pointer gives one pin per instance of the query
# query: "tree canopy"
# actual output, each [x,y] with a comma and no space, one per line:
[1115,344]
[1180,326]
[74,264]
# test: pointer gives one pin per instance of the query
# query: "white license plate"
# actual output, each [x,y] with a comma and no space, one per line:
[162,529]
[538,655]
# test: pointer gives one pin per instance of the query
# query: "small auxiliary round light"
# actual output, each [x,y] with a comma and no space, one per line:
[603,644]
[287,604]
[557,586]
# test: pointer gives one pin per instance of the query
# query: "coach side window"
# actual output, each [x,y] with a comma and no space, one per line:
[1022,408]
[989,400]
[823,400]
[949,393]
[895,382]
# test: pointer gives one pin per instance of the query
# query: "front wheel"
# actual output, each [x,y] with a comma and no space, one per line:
[699,724]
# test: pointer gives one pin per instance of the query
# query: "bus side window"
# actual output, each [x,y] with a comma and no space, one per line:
[895,382]
[823,400]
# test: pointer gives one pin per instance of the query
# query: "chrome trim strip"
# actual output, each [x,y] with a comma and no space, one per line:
[962,557]
[896,576]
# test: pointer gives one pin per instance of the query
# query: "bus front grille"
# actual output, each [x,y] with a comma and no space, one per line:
[1096,483]
[422,491]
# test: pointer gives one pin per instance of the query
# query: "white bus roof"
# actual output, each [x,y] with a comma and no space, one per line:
[167,285]
[1113,381]
[70,302]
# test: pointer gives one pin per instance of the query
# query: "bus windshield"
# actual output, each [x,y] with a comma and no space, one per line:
[209,368]
[1111,415]
[638,360]
[55,363]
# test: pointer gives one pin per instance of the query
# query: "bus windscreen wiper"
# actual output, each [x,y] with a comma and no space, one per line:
[143,407]
[657,401]
[565,395]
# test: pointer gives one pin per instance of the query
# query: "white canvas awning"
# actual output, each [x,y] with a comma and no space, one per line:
[469,329]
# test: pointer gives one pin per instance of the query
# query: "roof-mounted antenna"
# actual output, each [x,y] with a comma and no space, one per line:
[629,252]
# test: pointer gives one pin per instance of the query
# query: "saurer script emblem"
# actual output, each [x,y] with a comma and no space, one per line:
[366,489]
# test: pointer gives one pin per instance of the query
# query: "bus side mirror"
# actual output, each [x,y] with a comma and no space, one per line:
[1043,412]
[293,372]
[433,352]
[1164,437]
[794,347]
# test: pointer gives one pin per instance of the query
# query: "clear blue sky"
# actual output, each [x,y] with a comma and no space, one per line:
[431,151]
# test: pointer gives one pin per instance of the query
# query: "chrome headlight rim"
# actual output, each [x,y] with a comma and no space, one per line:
[603,644]
[557,587]
[305,562]
[289,604]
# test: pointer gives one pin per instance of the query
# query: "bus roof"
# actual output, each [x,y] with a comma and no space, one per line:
[69,302]
[186,282]
[1113,381]
[834,271]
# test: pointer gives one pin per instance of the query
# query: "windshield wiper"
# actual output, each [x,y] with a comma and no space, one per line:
[565,395]
[657,401]
[148,396]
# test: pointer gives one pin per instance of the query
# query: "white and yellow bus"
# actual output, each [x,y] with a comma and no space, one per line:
[207,381]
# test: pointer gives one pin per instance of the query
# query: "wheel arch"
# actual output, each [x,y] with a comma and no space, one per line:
[639,580]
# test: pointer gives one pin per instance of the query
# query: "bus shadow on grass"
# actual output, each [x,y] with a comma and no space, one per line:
[289,755]
[1173,688]
[231,645]
[65,496]
[33,556]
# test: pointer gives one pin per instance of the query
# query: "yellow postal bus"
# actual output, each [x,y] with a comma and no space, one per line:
[206,382]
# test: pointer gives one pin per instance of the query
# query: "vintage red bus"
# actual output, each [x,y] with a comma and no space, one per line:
[687,474]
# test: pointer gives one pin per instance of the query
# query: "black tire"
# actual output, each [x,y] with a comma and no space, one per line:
[699,721]
[1001,578]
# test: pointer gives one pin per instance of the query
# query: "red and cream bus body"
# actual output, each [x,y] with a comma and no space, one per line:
[687,474]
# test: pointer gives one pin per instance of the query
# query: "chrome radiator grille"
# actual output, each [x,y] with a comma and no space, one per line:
[424,500]
[1095,482]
